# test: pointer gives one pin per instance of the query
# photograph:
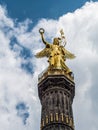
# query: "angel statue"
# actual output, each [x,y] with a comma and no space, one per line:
[55,52]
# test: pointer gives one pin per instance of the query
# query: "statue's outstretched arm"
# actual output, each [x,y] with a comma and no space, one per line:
[41,31]
[43,39]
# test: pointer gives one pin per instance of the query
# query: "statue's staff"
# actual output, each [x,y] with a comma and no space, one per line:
[63,39]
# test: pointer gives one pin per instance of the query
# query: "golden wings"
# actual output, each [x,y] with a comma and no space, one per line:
[46,52]
[66,53]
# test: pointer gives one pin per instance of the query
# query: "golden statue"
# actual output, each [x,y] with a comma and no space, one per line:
[55,52]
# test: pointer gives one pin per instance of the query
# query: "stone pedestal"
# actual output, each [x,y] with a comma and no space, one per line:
[56,92]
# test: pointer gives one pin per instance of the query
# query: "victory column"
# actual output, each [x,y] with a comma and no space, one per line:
[56,87]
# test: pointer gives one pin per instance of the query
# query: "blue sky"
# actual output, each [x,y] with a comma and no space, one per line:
[19,69]
[36,9]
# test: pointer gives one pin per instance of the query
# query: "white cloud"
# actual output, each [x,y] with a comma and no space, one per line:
[15,84]
[81,29]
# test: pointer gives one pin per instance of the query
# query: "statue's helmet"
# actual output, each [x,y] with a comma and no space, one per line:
[56,41]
